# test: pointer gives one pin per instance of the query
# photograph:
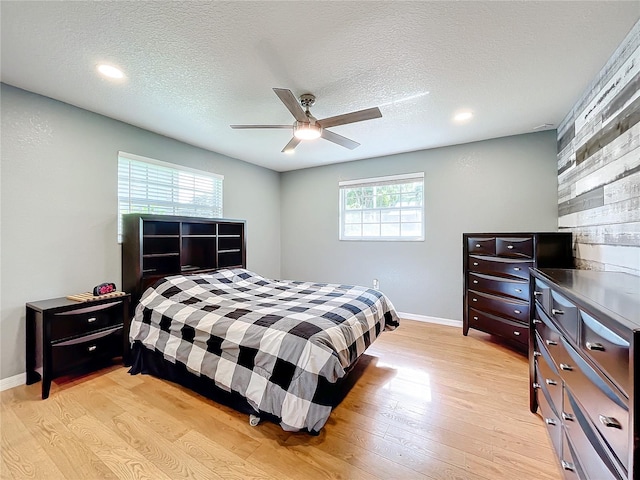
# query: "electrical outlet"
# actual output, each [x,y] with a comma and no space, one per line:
[376,284]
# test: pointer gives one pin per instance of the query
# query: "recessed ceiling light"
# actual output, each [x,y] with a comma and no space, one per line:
[463,116]
[110,71]
[289,151]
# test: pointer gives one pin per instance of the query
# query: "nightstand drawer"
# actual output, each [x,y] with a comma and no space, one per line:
[80,351]
[80,321]
[515,247]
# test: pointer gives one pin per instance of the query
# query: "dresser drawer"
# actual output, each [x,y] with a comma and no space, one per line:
[548,334]
[565,314]
[606,409]
[569,463]
[518,269]
[514,247]
[80,351]
[511,308]
[482,246]
[542,294]
[503,286]
[590,452]
[551,419]
[549,377]
[515,331]
[81,321]
[607,349]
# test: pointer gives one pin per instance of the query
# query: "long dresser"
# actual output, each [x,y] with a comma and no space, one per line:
[585,328]
[496,279]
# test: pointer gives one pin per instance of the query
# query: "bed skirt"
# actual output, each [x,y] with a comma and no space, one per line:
[149,362]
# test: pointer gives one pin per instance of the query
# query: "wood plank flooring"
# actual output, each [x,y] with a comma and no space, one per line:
[429,404]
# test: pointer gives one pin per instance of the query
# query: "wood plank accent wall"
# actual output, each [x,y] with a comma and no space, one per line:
[599,166]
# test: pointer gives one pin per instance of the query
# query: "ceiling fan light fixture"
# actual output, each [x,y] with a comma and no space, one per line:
[306,131]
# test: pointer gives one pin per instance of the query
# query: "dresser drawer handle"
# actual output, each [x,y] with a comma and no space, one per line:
[555,311]
[535,320]
[477,245]
[517,312]
[536,354]
[517,269]
[610,422]
[551,342]
[551,382]
[91,320]
[568,416]
[92,348]
[536,385]
[516,333]
[535,293]
[475,264]
[566,367]
[568,466]
[549,421]
[510,247]
[475,281]
[475,318]
[474,299]
[595,346]
[518,290]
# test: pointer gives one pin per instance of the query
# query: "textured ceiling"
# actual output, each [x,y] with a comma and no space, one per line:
[194,68]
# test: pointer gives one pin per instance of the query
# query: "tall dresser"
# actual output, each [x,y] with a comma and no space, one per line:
[496,279]
[583,360]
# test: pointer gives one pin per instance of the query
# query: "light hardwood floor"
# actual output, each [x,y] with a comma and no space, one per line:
[430,404]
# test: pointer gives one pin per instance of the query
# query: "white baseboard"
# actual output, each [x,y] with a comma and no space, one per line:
[10,382]
[427,319]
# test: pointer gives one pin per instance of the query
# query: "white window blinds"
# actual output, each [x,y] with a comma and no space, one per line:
[383,208]
[150,186]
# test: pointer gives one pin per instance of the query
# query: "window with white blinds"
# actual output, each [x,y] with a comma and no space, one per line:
[150,186]
[383,208]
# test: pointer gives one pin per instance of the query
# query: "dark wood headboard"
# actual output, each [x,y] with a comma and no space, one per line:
[156,246]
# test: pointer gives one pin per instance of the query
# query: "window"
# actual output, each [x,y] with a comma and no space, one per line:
[151,186]
[384,208]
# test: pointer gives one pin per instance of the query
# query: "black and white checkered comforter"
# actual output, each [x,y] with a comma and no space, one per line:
[274,342]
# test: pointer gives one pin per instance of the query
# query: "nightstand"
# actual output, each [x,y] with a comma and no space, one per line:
[64,335]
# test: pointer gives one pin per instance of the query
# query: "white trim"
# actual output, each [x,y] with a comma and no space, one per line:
[175,166]
[15,381]
[388,178]
[428,319]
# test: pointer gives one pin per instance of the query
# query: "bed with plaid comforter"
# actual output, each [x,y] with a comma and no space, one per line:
[274,342]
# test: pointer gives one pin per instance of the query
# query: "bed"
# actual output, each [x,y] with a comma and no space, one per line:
[276,349]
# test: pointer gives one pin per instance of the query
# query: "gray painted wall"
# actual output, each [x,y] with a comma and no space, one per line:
[506,184]
[58,204]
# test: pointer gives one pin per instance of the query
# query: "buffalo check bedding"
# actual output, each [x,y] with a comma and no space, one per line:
[274,342]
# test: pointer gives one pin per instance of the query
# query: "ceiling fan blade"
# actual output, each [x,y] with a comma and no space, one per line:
[359,116]
[339,139]
[293,143]
[291,102]
[261,126]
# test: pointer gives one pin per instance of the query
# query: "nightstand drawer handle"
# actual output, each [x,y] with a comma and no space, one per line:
[510,247]
[92,348]
[550,342]
[91,320]
[595,346]
[516,333]
[551,382]
[566,367]
[568,466]
[549,421]
[555,311]
[517,312]
[568,416]
[610,422]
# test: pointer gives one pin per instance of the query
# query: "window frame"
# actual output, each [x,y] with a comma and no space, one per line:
[374,182]
[179,208]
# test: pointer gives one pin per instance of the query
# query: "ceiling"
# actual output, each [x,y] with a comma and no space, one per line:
[193,68]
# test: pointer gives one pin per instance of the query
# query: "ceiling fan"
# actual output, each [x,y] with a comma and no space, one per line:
[307,127]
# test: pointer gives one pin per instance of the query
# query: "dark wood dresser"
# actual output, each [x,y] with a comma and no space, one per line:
[496,279]
[585,328]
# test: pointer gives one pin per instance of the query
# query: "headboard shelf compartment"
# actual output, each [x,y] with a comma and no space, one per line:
[155,246]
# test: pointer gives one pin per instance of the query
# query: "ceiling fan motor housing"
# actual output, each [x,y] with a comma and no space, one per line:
[307,100]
